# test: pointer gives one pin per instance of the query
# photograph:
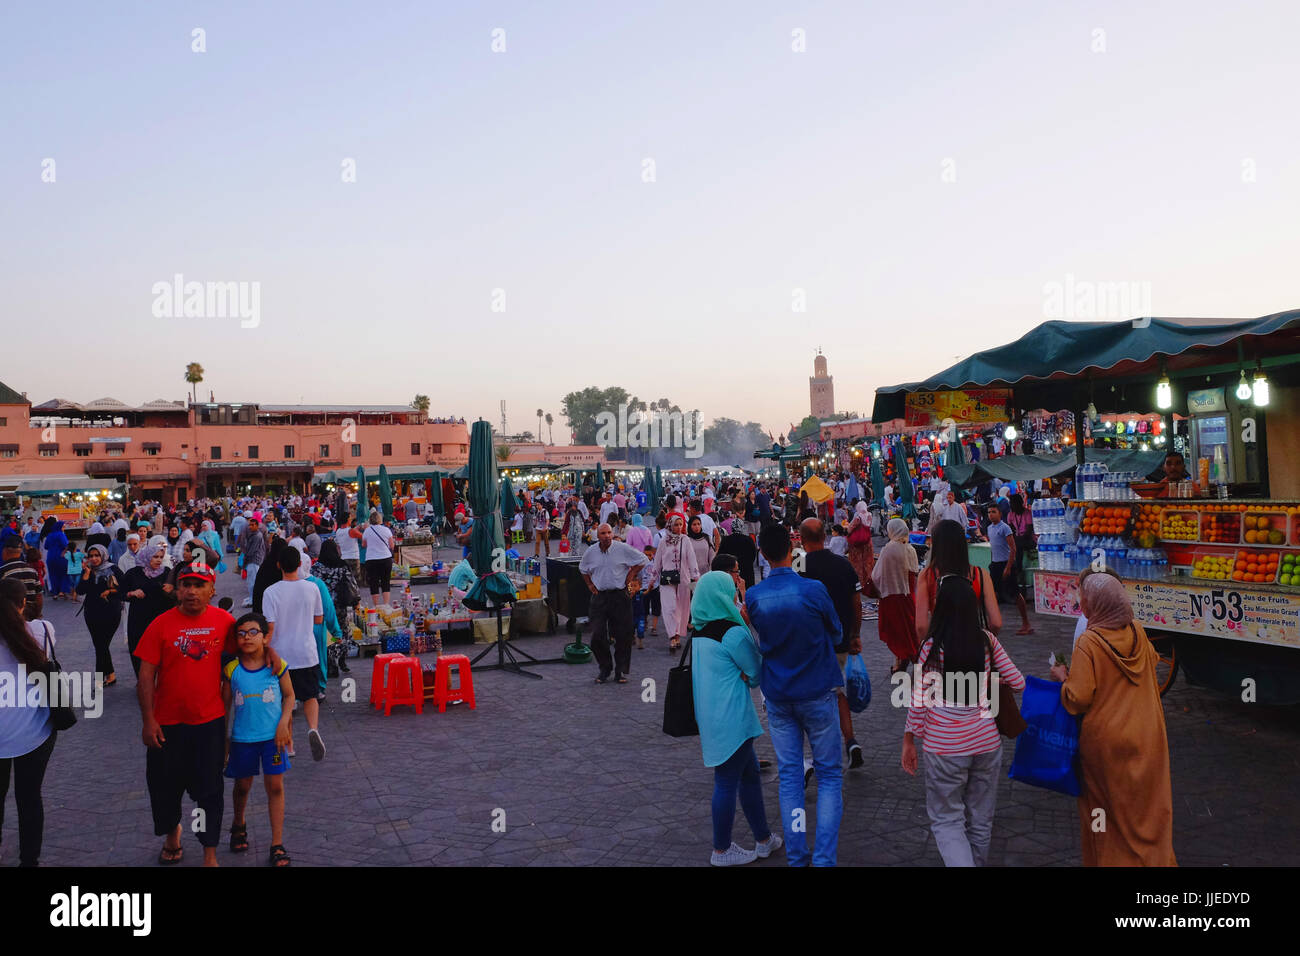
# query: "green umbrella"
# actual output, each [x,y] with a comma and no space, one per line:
[600,478]
[435,499]
[508,504]
[485,543]
[385,493]
[782,476]
[877,482]
[652,492]
[956,456]
[363,496]
[906,493]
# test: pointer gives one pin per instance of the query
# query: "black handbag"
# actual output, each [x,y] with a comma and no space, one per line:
[61,717]
[679,699]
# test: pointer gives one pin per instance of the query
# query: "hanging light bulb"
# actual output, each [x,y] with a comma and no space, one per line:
[1010,433]
[1261,388]
[1092,412]
[1243,387]
[1164,393]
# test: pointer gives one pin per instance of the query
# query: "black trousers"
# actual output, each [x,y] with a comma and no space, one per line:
[611,619]
[29,774]
[191,758]
[101,635]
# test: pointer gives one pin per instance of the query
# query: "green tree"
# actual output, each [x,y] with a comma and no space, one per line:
[503,453]
[581,408]
[193,375]
[421,403]
[539,424]
[550,420]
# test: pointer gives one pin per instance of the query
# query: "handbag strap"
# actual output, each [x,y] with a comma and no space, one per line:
[685,651]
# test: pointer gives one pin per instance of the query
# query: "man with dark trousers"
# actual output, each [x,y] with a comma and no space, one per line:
[609,570]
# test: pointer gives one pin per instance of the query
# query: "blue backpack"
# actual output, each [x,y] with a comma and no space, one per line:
[857,684]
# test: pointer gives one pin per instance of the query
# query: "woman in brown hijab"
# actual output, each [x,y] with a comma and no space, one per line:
[1123,750]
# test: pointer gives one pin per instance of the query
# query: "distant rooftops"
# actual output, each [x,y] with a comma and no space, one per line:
[56,405]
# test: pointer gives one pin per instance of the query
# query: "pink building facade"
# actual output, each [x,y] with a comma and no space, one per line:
[170,451]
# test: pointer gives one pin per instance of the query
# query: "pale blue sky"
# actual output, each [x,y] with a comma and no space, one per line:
[522,171]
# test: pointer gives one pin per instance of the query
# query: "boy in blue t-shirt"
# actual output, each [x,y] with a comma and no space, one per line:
[259,699]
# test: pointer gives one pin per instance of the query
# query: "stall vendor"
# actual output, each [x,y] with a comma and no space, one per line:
[1174,469]
[462,578]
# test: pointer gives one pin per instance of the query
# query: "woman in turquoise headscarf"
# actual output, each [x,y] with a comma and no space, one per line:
[725,664]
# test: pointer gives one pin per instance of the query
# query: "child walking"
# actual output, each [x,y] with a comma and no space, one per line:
[260,704]
[646,602]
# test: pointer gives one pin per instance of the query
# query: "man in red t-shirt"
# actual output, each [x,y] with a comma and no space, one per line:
[184,718]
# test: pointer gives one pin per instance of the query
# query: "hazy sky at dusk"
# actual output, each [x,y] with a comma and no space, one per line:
[775,170]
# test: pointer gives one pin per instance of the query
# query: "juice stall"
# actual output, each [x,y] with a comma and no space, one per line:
[1210,557]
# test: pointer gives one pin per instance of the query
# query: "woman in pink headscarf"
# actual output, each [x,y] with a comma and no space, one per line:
[1123,748]
[860,553]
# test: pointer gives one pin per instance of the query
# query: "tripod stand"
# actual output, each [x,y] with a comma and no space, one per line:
[506,660]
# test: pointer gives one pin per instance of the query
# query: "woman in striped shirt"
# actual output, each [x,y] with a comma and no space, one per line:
[953,709]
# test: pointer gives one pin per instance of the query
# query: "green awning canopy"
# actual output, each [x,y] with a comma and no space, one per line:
[1045,365]
[1035,467]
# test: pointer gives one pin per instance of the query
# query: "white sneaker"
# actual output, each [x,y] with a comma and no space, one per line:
[248,602]
[317,745]
[736,855]
[764,850]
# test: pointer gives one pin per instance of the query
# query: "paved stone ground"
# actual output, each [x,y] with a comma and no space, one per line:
[584,775]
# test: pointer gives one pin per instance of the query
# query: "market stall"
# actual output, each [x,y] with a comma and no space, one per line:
[1212,565]
[73,499]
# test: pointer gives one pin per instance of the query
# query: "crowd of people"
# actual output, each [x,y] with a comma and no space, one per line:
[763,586]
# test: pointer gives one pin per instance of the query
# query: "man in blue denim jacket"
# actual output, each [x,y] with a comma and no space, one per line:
[798,629]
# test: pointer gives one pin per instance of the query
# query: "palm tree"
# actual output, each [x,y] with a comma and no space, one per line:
[503,453]
[550,420]
[421,403]
[193,375]
[539,424]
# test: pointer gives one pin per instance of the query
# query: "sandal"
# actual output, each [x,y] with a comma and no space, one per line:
[239,838]
[168,856]
[674,645]
[279,855]
[1025,630]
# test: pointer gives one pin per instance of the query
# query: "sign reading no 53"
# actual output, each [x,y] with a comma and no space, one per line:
[1224,605]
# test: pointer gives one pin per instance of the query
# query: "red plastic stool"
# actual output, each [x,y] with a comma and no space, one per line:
[404,685]
[378,675]
[443,693]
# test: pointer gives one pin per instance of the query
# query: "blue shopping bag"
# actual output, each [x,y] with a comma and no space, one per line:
[857,684]
[1047,753]
[221,567]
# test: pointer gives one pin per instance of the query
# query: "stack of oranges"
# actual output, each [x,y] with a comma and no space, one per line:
[1255,567]
[1107,520]
[1146,524]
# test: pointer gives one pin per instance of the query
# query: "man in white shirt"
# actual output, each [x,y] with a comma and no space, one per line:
[607,507]
[609,571]
[292,607]
[949,509]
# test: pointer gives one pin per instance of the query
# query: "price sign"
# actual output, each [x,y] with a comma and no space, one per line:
[1259,616]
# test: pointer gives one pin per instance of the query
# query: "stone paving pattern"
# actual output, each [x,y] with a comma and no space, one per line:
[586,777]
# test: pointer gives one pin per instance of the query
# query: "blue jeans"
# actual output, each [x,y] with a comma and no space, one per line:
[638,616]
[819,718]
[252,570]
[738,774]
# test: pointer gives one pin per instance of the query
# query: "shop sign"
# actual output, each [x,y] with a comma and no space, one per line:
[1261,617]
[1205,400]
[971,407]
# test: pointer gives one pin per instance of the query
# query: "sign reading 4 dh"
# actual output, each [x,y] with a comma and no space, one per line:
[974,406]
